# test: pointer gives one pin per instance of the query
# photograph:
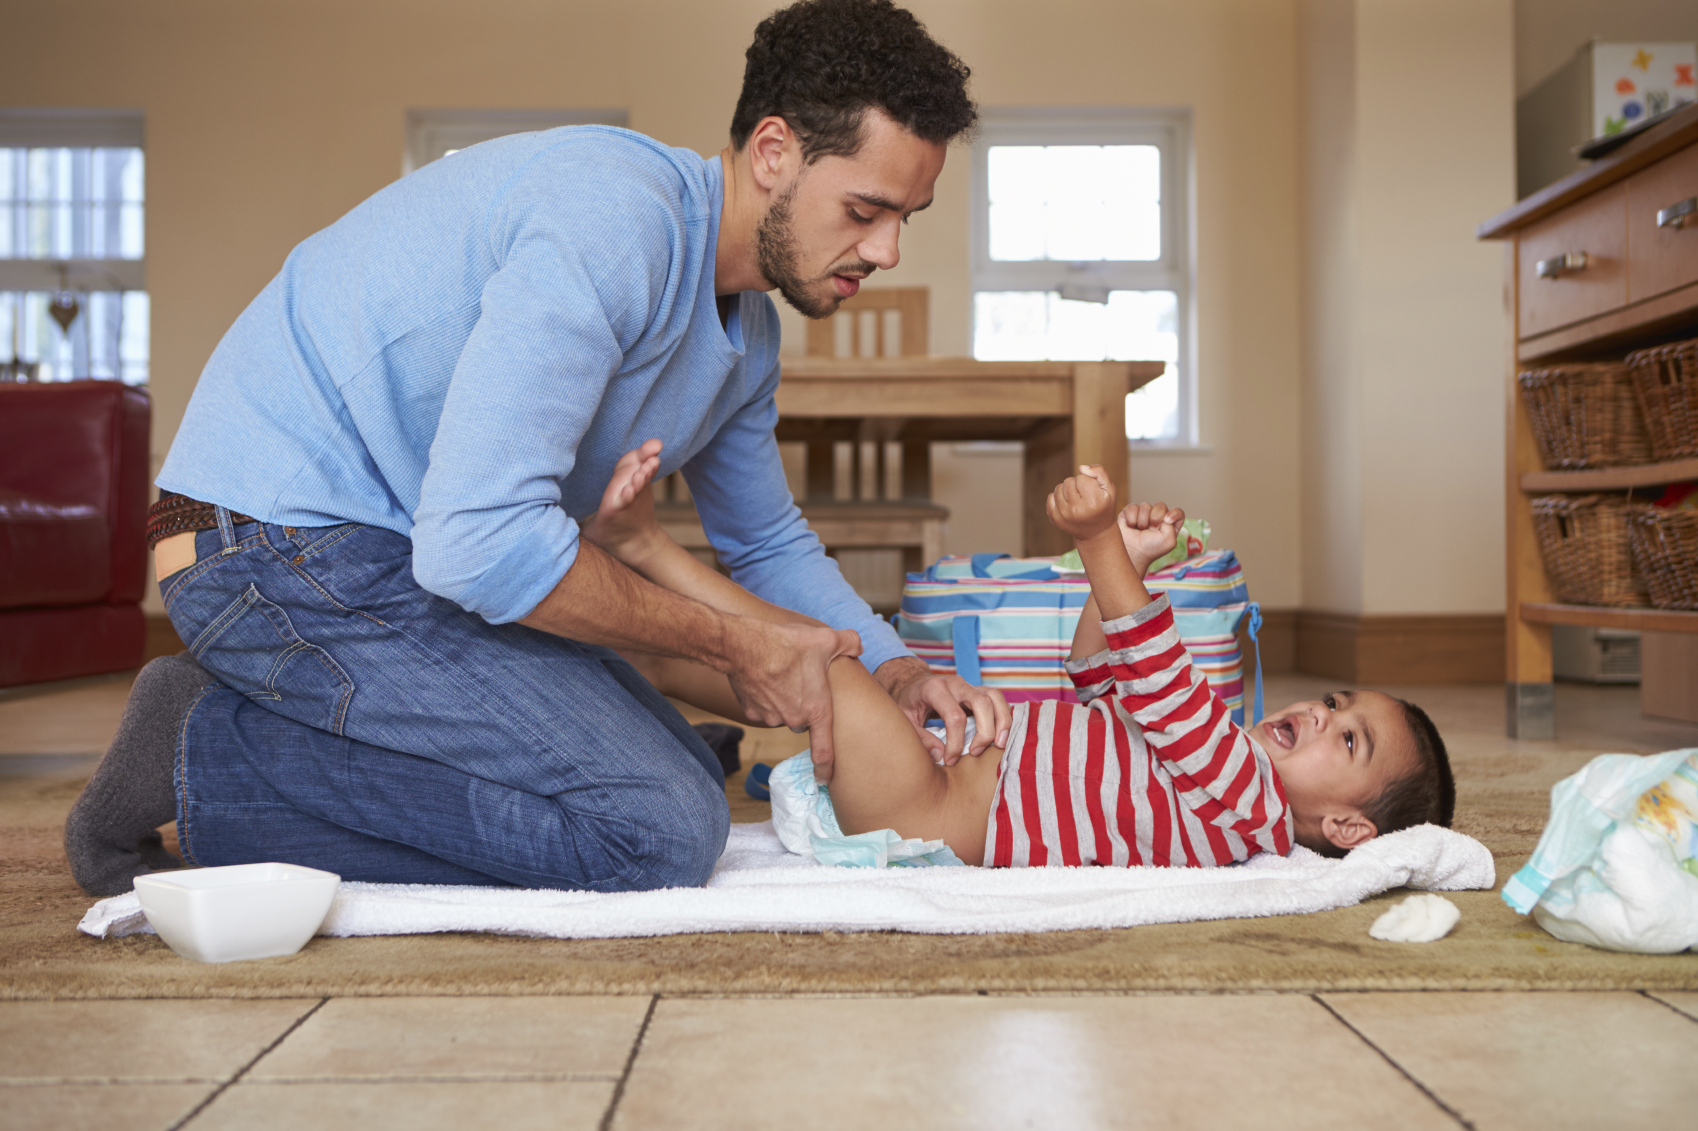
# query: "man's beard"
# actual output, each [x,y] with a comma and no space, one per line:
[776,255]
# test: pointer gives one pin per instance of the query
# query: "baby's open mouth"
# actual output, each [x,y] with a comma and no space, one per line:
[1284,732]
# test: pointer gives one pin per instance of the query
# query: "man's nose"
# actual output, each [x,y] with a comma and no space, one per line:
[879,249]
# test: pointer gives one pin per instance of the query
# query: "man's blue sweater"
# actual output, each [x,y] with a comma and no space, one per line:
[463,357]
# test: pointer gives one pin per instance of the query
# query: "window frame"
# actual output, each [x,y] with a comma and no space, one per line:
[1166,128]
[430,133]
[75,128]
[80,128]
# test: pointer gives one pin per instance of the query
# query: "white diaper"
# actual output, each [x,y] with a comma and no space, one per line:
[806,823]
[801,807]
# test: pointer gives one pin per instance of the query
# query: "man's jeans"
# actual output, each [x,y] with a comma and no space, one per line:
[367,727]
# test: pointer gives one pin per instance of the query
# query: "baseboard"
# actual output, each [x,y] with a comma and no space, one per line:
[1278,638]
[1437,648]
[161,639]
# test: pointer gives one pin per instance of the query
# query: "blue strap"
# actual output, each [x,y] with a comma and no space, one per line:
[964,635]
[1256,627]
[981,568]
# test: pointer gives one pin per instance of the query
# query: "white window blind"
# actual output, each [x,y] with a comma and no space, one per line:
[73,266]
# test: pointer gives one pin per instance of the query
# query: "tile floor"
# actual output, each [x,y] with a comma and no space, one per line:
[1417,1060]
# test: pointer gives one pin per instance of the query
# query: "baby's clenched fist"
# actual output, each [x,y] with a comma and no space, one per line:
[1149,531]
[1083,505]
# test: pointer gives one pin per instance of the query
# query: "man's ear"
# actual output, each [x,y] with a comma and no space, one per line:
[1348,830]
[772,147]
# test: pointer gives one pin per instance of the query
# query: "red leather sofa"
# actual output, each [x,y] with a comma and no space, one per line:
[73,529]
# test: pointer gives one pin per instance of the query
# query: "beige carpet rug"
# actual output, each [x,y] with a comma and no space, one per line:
[1503,785]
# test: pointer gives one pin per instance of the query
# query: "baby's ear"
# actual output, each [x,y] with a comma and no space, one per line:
[1348,831]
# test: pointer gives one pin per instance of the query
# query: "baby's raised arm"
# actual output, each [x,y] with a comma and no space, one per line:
[1143,532]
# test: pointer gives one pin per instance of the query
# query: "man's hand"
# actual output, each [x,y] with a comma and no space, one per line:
[921,693]
[1149,531]
[778,673]
[1083,505]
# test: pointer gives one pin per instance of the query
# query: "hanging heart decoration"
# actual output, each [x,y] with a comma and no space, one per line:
[64,309]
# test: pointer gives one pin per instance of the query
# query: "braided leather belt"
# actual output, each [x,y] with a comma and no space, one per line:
[179,514]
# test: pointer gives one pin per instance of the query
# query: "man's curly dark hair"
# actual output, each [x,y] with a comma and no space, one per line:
[819,64]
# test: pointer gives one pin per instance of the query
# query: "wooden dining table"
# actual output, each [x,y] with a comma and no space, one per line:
[1065,413]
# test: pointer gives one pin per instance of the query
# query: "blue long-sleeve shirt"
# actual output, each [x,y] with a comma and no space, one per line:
[464,356]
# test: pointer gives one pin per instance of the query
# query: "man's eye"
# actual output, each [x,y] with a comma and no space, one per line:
[860,219]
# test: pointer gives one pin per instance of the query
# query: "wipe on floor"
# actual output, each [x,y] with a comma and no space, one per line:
[758,886]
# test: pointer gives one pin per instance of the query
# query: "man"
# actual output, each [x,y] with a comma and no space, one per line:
[368,531]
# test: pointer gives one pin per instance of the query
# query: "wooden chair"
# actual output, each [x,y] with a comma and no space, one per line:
[892,511]
[891,515]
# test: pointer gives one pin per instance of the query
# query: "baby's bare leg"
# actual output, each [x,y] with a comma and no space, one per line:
[884,779]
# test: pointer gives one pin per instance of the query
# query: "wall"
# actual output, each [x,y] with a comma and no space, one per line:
[266,120]
[1407,144]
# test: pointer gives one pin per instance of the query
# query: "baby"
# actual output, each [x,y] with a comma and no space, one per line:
[1148,768]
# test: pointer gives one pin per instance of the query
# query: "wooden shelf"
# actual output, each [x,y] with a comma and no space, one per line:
[1611,478]
[1645,620]
[1614,331]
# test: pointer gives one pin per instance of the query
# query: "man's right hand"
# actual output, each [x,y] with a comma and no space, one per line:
[778,673]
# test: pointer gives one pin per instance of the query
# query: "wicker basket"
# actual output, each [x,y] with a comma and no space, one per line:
[1665,551]
[1583,539]
[1585,415]
[1666,379]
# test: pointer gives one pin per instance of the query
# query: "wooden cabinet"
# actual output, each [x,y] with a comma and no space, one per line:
[1662,257]
[1573,266]
[1598,264]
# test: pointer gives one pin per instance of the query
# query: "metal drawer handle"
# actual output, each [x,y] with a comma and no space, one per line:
[1677,216]
[1560,265]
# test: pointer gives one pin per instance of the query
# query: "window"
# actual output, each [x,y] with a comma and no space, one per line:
[1082,249]
[73,277]
[437,133]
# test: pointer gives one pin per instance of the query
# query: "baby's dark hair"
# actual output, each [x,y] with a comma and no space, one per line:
[1425,795]
[819,64]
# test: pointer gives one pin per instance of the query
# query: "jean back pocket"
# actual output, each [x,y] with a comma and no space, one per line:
[254,648]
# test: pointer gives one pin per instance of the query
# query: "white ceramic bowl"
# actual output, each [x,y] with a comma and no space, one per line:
[237,912]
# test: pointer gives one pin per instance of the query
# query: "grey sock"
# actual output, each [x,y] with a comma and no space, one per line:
[112,836]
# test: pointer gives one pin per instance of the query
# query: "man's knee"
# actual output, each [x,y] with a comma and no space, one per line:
[688,823]
[669,832]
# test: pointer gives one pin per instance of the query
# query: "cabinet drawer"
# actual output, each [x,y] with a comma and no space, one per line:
[1661,259]
[1595,227]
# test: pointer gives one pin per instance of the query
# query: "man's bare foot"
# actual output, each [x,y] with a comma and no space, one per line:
[624,524]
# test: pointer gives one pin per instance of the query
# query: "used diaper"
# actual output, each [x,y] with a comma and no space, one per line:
[806,824]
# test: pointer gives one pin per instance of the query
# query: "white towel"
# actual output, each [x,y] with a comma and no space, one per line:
[757,886]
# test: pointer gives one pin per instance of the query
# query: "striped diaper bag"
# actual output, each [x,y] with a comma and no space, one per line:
[1008,622]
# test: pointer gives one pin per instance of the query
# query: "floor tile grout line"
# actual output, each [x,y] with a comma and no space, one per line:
[439,1078]
[243,1071]
[1666,1005]
[630,1063]
[1401,1071]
